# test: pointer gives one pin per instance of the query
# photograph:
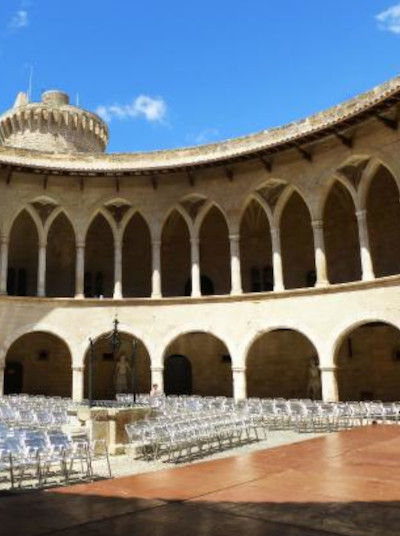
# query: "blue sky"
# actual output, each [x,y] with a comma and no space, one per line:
[176,73]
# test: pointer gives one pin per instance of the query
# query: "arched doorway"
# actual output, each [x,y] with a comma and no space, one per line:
[297,243]
[23,257]
[136,258]
[38,363]
[175,255]
[105,364]
[215,250]
[368,363]
[177,375]
[60,258]
[210,362]
[282,363]
[99,259]
[256,250]
[341,236]
[383,217]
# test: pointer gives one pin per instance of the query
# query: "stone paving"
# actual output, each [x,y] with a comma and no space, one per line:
[341,484]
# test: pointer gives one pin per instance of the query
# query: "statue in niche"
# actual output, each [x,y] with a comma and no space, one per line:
[314,379]
[122,374]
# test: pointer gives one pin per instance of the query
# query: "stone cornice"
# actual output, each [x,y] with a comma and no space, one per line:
[309,130]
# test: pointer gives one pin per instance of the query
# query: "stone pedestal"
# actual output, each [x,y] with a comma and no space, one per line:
[109,424]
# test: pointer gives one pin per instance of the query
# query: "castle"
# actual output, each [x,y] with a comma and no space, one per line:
[234,265]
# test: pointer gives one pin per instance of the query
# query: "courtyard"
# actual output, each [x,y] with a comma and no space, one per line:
[345,483]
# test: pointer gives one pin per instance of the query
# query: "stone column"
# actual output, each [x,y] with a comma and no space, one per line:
[156,275]
[157,376]
[117,269]
[80,270]
[329,384]
[4,264]
[41,276]
[236,279]
[320,257]
[78,374]
[277,259]
[366,260]
[195,257]
[239,383]
[2,369]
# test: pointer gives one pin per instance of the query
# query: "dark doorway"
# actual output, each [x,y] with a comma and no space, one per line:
[13,378]
[206,286]
[177,375]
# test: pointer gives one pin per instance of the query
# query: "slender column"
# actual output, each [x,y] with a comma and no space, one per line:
[366,261]
[329,384]
[239,383]
[196,289]
[80,270]
[236,279]
[157,376]
[156,276]
[41,278]
[277,259]
[77,383]
[117,269]
[320,257]
[2,369]
[4,264]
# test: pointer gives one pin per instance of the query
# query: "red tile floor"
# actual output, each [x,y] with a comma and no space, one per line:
[346,483]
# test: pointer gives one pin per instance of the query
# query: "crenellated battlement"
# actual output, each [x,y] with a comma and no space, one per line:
[52,125]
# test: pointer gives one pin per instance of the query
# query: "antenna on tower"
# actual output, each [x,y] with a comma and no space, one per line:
[77,99]
[30,83]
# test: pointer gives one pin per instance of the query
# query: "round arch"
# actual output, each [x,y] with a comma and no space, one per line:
[39,363]
[282,362]
[209,359]
[367,359]
[106,379]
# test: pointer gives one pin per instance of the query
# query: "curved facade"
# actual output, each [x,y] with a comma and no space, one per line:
[238,266]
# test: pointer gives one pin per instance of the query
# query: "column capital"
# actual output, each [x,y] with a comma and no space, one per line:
[275,231]
[42,243]
[194,240]
[361,214]
[234,237]
[79,368]
[156,243]
[328,369]
[80,244]
[317,224]
[4,240]
[157,368]
[239,369]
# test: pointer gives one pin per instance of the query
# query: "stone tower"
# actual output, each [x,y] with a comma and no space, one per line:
[52,125]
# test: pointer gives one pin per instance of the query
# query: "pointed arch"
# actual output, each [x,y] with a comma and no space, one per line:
[136,256]
[383,219]
[60,256]
[99,256]
[175,254]
[342,245]
[297,241]
[256,247]
[205,211]
[25,234]
[215,248]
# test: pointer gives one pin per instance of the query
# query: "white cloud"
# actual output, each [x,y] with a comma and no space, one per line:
[389,20]
[153,109]
[19,20]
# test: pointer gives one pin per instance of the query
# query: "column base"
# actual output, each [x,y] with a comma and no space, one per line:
[79,296]
[279,288]
[320,284]
[156,296]
[236,292]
